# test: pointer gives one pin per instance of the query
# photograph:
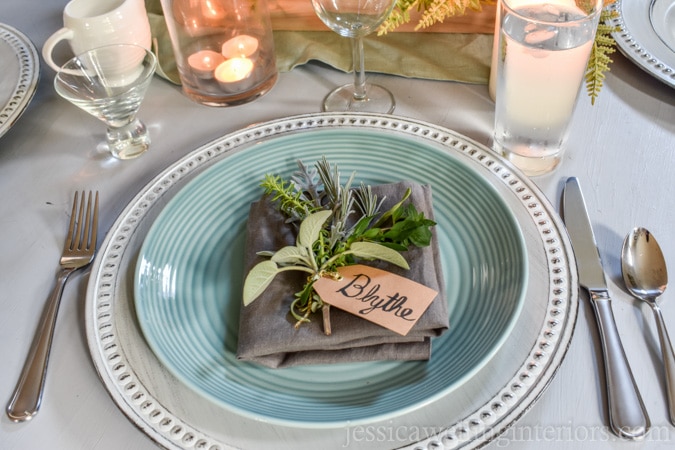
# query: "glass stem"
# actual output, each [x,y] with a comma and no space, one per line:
[359,69]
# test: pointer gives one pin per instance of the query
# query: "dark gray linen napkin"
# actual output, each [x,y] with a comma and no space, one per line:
[266,329]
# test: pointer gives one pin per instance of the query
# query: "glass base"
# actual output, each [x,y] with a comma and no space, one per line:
[129,141]
[230,99]
[531,165]
[378,100]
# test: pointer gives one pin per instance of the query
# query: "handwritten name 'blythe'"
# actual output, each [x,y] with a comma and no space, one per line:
[362,289]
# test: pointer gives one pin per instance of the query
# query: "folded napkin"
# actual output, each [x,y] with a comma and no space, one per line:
[463,57]
[266,329]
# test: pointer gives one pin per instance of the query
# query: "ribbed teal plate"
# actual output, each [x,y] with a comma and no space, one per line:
[189,279]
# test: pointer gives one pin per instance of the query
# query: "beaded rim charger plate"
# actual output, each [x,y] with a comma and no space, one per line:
[479,407]
[21,72]
[645,35]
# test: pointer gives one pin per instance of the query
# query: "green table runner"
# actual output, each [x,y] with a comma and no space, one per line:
[437,56]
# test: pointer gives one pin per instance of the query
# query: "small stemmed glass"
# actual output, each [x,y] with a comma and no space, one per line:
[356,19]
[110,83]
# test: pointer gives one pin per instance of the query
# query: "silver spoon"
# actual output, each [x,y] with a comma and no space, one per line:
[645,274]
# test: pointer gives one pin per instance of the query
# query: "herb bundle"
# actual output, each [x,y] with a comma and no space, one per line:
[337,226]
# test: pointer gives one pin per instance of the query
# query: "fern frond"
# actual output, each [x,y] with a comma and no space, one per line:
[439,10]
[598,63]
[433,11]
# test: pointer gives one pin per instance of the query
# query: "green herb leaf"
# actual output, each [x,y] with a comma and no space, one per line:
[420,236]
[310,228]
[371,250]
[291,255]
[257,280]
[372,233]
[392,213]
[395,246]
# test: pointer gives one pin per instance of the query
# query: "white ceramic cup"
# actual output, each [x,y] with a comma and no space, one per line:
[88,24]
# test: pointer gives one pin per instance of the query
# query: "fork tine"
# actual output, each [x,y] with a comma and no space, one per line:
[71,227]
[83,226]
[94,226]
[78,229]
[87,223]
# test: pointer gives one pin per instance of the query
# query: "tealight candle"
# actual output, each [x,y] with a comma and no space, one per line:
[232,70]
[233,75]
[204,62]
[240,46]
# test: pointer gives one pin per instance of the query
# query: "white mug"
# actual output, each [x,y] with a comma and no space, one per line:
[88,24]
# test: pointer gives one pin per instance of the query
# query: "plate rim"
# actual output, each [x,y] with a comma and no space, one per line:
[27,78]
[492,349]
[630,41]
[516,395]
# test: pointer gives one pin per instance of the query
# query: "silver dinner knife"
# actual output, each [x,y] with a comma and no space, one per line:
[627,414]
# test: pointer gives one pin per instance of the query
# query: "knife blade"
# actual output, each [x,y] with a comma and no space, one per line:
[628,417]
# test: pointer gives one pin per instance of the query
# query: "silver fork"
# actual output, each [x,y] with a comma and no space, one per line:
[78,252]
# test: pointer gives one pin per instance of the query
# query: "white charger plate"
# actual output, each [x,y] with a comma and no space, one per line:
[484,406]
[646,35]
[19,77]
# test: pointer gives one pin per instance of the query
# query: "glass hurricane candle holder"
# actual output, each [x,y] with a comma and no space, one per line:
[224,49]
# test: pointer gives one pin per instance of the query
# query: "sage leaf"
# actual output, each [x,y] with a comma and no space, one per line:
[291,255]
[310,228]
[257,280]
[371,250]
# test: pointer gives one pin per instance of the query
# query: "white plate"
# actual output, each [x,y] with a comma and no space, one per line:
[662,16]
[190,275]
[175,416]
[19,75]
[646,35]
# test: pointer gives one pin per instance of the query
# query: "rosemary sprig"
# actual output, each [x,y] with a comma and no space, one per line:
[292,202]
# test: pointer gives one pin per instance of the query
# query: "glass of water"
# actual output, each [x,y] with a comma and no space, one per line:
[356,19]
[110,83]
[544,47]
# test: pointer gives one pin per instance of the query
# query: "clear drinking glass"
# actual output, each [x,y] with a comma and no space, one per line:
[110,83]
[543,52]
[356,19]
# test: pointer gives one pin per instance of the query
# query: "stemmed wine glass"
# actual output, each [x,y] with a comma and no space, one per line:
[109,83]
[356,19]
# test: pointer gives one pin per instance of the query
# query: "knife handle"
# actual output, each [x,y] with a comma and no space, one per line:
[627,414]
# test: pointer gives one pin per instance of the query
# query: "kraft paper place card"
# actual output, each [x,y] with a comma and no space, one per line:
[384,298]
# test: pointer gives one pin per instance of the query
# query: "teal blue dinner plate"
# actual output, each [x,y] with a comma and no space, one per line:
[189,279]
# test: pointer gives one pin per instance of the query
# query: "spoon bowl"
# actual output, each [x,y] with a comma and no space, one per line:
[643,265]
[646,276]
